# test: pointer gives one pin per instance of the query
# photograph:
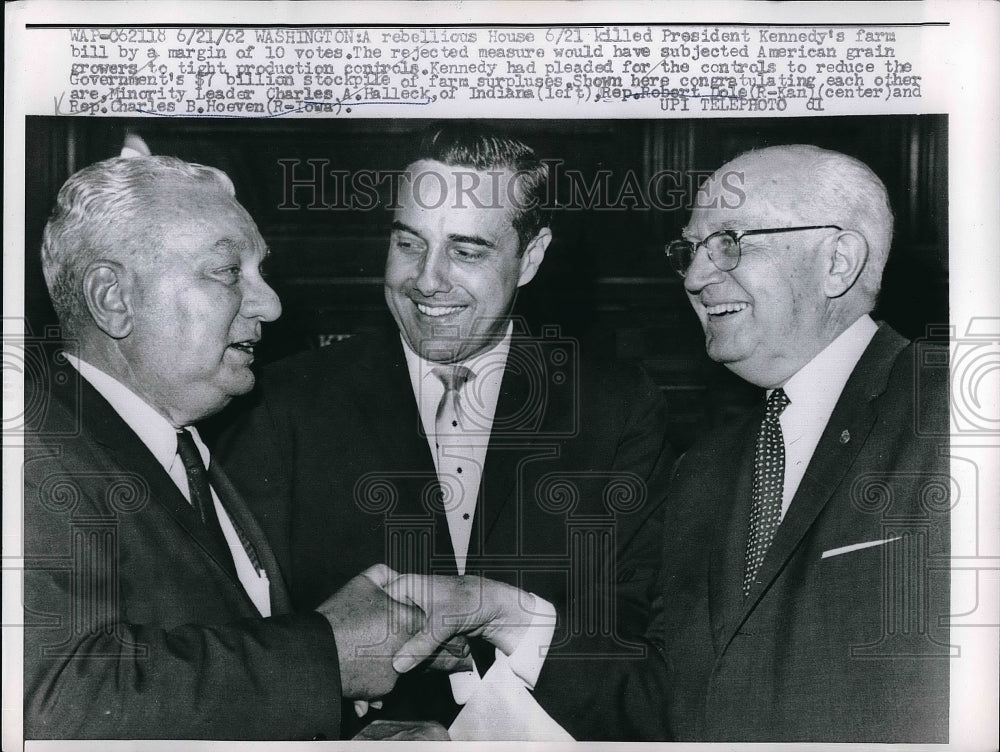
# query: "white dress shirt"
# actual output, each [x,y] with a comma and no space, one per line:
[459,463]
[813,392]
[510,675]
[160,437]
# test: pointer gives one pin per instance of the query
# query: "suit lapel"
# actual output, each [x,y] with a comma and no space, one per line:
[732,515]
[384,390]
[511,437]
[843,438]
[113,433]
[388,408]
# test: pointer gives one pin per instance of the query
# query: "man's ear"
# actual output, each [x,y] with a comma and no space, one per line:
[848,256]
[533,255]
[105,288]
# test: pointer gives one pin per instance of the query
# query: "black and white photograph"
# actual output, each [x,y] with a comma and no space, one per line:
[388,413]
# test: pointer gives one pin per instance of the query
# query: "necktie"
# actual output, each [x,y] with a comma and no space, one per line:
[454,458]
[198,485]
[448,419]
[768,484]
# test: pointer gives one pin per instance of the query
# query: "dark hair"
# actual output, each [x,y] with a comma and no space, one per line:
[471,144]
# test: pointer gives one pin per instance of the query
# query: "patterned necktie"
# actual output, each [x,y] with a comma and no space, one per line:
[768,485]
[455,460]
[448,419]
[198,485]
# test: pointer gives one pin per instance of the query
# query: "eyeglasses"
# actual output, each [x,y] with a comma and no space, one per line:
[723,247]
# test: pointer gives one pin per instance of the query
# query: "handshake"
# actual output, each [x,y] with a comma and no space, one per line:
[385,624]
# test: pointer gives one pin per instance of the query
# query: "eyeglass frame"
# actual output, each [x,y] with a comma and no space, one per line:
[737,236]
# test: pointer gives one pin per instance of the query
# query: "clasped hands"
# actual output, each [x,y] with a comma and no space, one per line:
[385,624]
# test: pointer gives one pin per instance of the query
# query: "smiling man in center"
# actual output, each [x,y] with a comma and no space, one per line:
[456,260]
[456,442]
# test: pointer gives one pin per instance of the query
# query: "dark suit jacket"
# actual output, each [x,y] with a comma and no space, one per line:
[135,623]
[850,647]
[334,461]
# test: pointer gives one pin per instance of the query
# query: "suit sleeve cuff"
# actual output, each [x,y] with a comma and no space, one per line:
[529,655]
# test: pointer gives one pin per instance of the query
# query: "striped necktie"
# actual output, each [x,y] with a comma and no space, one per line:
[198,486]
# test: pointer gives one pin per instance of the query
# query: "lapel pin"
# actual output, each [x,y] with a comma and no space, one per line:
[845,436]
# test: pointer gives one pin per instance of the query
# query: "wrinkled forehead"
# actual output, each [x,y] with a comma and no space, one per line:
[750,192]
[199,200]
[197,218]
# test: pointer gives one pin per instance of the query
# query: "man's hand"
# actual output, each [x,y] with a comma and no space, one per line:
[476,606]
[453,655]
[369,627]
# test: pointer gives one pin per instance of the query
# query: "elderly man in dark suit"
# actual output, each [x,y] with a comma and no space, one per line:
[154,605]
[456,442]
[805,583]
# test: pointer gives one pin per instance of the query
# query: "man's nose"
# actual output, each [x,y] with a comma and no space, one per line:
[260,300]
[702,271]
[433,276]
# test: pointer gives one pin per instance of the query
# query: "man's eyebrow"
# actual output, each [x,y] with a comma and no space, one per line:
[397,225]
[453,237]
[472,240]
[228,244]
[726,224]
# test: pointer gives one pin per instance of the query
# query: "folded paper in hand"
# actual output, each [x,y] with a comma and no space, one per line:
[504,710]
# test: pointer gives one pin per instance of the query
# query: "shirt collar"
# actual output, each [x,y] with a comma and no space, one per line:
[478,363]
[153,429]
[818,384]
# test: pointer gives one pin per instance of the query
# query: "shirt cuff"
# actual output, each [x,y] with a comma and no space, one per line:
[529,655]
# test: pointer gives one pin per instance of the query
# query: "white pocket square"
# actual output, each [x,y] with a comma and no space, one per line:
[857,547]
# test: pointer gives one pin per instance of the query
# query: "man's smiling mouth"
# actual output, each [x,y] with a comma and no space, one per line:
[437,311]
[724,309]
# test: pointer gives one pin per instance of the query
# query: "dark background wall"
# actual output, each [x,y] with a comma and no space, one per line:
[605,280]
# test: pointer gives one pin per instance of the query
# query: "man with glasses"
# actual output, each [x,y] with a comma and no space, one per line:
[805,589]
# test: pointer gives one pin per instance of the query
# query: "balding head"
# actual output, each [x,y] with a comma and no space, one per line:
[807,185]
[779,298]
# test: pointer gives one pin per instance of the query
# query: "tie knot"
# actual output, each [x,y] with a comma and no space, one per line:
[453,377]
[188,451]
[776,404]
